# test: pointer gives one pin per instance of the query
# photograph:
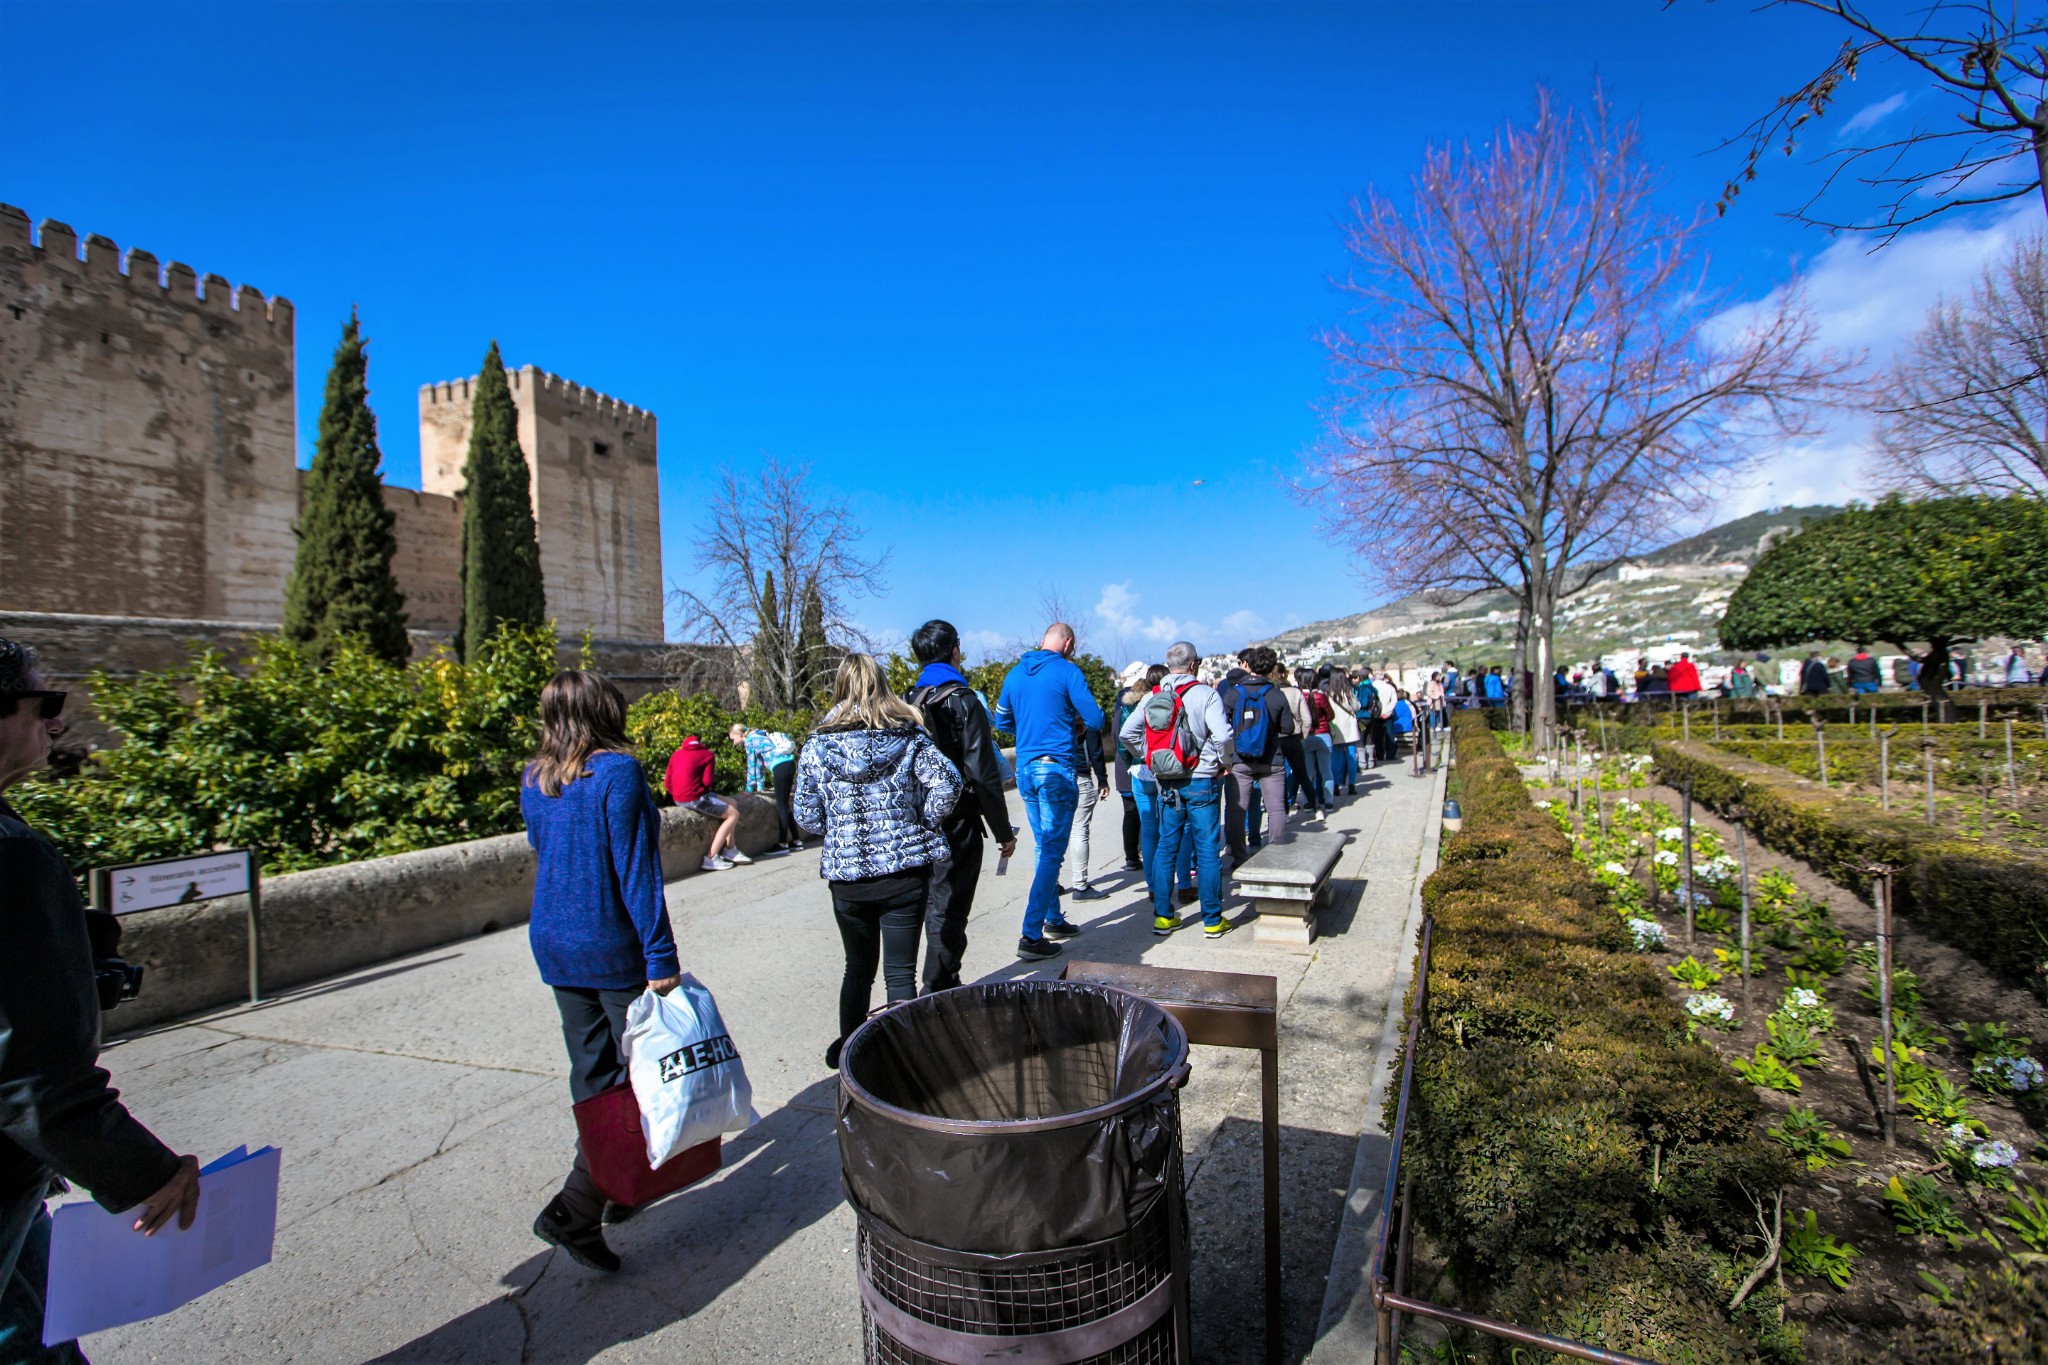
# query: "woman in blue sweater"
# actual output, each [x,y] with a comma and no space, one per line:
[600,932]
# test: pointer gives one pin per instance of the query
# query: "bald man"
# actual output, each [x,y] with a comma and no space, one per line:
[1045,703]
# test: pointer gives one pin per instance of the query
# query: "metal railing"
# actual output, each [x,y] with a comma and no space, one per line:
[1389,1294]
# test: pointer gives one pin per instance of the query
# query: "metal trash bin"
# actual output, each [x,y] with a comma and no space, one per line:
[1012,1153]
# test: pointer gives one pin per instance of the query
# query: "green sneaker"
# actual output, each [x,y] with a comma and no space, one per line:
[1218,929]
[1162,925]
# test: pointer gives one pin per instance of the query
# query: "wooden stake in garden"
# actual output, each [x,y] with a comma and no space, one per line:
[1883,887]
[1873,720]
[1820,744]
[1925,702]
[1983,711]
[1779,711]
[1884,768]
[1736,813]
[2012,776]
[1927,756]
[1852,710]
[1717,717]
[1685,838]
[1685,719]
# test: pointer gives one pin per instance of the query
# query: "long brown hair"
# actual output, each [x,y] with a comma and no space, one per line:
[861,699]
[581,714]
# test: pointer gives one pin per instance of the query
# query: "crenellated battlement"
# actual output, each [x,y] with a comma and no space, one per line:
[55,244]
[532,378]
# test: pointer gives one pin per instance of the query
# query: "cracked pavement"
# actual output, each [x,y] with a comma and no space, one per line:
[423,1113]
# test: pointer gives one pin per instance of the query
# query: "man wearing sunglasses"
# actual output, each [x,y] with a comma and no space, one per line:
[58,1115]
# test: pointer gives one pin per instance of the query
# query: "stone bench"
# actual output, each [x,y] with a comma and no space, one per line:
[1286,882]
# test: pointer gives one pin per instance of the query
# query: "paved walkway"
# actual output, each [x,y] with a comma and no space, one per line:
[423,1115]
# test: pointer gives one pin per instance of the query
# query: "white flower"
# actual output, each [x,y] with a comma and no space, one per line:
[1647,934]
[1994,1155]
[1960,1134]
[1803,998]
[1708,1006]
[1616,868]
[1667,857]
[1669,834]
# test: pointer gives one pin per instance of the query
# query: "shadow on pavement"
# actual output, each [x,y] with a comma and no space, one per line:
[1226,1204]
[782,1175]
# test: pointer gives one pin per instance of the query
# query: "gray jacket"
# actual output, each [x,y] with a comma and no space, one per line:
[1208,722]
[878,797]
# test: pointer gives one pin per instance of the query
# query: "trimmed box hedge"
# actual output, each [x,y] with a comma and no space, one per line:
[1990,902]
[1582,1165]
[1890,706]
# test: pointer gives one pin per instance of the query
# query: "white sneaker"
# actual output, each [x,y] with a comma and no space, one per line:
[717,865]
[736,856]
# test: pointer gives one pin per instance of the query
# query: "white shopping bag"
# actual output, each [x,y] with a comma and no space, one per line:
[685,1070]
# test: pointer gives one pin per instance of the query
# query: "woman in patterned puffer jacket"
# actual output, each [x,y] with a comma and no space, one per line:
[872,782]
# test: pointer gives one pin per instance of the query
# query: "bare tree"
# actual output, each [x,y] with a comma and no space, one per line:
[1535,389]
[780,560]
[1991,64]
[1965,408]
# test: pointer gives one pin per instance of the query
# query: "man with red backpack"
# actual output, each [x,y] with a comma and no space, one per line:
[1182,735]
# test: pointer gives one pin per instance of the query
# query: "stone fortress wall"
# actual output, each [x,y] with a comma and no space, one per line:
[149,476]
[596,493]
[146,434]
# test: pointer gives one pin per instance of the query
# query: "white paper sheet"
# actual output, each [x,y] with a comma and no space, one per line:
[105,1274]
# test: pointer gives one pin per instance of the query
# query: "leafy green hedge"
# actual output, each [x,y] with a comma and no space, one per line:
[1990,903]
[312,766]
[1581,1163]
[1998,1318]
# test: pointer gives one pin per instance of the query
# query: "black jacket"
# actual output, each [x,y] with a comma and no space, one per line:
[958,724]
[1813,678]
[1863,669]
[61,1113]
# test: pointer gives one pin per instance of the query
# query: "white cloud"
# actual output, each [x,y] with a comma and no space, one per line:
[1115,606]
[1122,622]
[1866,302]
[1870,115]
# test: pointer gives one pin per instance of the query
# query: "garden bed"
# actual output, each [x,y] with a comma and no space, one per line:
[1821,930]
[1990,901]
[1579,1165]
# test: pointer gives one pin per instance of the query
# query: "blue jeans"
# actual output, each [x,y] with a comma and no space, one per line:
[1196,810]
[1050,794]
[1863,687]
[1343,765]
[25,1261]
[1317,747]
[1179,862]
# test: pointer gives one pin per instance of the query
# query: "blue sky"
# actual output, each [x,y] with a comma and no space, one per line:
[1009,278]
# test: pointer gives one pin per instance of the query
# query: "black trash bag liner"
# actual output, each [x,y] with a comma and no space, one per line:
[1013,1116]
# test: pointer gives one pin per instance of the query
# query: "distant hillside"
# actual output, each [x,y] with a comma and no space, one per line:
[1671,595]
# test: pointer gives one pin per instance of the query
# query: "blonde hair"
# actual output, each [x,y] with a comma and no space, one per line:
[581,714]
[861,699]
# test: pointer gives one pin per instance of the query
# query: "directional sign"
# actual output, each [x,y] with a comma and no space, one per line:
[176,881]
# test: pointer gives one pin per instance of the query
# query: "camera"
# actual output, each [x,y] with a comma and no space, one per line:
[113,977]
[115,980]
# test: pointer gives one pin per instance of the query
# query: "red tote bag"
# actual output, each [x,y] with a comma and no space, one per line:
[616,1151]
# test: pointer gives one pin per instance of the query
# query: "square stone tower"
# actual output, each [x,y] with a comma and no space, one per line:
[147,434]
[596,495]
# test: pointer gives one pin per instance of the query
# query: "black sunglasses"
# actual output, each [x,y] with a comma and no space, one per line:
[51,703]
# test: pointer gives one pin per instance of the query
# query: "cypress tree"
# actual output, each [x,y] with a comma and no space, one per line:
[341,582]
[767,686]
[810,647]
[501,582]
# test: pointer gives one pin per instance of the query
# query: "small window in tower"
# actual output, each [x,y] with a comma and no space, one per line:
[600,448]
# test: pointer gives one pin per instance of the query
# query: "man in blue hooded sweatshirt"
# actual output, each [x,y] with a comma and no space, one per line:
[1043,703]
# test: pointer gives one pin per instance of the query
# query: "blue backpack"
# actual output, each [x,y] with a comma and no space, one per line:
[1252,725]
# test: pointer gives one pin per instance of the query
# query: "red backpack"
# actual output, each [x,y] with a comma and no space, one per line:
[1170,749]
